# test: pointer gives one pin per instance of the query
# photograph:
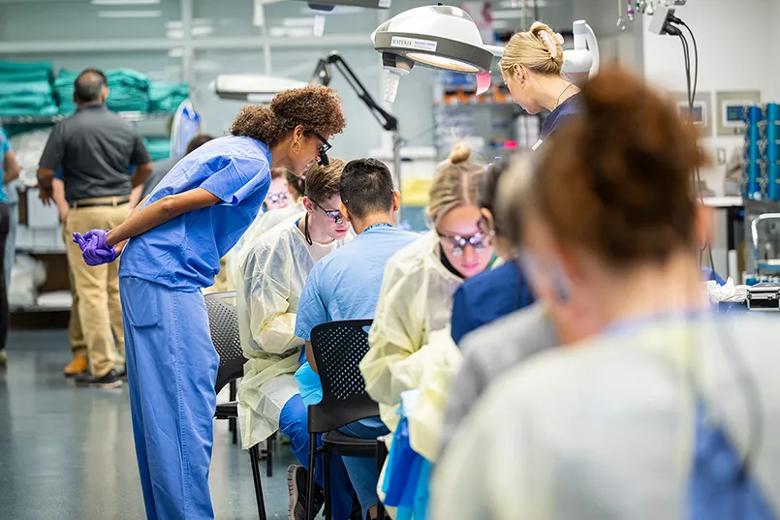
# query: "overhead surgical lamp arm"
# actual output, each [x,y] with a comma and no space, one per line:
[585,55]
[387,120]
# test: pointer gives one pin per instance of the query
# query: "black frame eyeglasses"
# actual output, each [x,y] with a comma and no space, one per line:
[322,154]
[334,214]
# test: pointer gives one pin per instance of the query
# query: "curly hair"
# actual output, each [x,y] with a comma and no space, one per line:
[316,108]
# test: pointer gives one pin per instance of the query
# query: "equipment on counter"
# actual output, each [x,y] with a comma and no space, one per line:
[754,170]
[762,152]
[771,145]
[764,296]
[766,252]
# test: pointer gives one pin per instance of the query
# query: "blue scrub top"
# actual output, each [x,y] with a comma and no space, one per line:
[184,252]
[345,286]
[487,297]
[5,147]
[557,117]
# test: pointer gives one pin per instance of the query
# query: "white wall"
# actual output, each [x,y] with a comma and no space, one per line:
[624,47]
[738,45]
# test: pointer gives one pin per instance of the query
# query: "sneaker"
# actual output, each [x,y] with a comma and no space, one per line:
[110,380]
[78,366]
[297,477]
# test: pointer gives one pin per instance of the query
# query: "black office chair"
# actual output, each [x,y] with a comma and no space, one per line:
[231,364]
[338,348]
[223,327]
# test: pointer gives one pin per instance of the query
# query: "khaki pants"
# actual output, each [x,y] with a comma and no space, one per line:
[97,290]
[75,337]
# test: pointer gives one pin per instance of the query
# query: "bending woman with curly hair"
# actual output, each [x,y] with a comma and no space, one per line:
[177,236]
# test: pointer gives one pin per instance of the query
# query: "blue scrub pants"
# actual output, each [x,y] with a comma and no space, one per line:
[362,470]
[293,422]
[171,370]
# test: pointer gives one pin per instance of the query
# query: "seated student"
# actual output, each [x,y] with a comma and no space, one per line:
[670,411]
[273,274]
[496,292]
[278,194]
[497,347]
[345,286]
[410,340]
[282,182]
[269,219]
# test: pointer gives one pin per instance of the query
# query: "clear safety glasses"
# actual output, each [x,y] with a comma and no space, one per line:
[457,244]
[276,197]
[334,214]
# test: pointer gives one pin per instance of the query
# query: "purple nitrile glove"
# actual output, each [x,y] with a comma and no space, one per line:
[94,247]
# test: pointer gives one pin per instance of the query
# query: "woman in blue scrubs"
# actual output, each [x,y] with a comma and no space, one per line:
[532,68]
[177,236]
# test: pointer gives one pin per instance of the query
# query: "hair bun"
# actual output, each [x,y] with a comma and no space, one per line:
[549,38]
[459,154]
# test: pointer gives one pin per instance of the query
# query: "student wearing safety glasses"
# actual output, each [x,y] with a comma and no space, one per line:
[410,342]
[272,273]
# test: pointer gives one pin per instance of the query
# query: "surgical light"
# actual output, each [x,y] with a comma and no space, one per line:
[441,62]
[444,37]
[436,36]
[254,88]
[328,5]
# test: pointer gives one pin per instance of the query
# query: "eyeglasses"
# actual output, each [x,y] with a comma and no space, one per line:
[457,243]
[277,197]
[323,151]
[334,214]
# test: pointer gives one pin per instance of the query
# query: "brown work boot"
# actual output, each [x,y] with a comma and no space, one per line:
[79,365]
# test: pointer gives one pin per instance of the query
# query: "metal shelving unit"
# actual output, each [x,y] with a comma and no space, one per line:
[491,121]
[133,117]
[38,308]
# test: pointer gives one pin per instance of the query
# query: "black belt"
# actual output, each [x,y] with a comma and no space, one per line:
[116,202]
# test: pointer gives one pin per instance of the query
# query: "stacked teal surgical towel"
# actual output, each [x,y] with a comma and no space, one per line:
[30,89]
[128,91]
[166,97]
[158,147]
[63,87]
[26,90]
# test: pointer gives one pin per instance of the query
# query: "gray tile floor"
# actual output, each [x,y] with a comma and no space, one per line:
[67,452]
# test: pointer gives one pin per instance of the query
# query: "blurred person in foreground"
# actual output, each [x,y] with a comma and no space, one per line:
[669,411]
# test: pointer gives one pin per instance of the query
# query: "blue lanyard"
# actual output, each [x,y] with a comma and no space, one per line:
[376,226]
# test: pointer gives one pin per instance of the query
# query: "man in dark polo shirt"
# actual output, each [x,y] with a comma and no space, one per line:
[104,164]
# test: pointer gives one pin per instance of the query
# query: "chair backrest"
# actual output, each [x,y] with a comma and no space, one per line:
[338,347]
[223,326]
